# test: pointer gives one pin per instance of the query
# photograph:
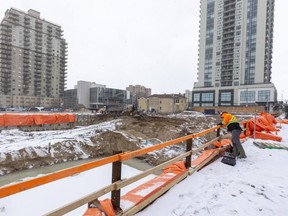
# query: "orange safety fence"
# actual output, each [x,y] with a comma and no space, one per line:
[265,122]
[265,126]
[267,136]
[44,119]
[64,118]
[25,185]
[11,119]
[142,192]
[35,182]
[282,121]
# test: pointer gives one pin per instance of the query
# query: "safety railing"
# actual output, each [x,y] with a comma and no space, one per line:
[117,182]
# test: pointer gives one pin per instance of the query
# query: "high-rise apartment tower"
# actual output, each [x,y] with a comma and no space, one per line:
[235,53]
[32,60]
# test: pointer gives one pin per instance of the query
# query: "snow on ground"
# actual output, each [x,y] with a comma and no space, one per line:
[254,186]
[15,139]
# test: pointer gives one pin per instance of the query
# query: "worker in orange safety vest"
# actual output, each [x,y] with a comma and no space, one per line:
[233,126]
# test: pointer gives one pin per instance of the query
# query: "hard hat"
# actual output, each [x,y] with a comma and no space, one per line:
[222,114]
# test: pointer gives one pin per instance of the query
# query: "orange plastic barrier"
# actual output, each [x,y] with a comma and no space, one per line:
[44,119]
[64,118]
[223,142]
[144,191]
[270,118]
[2,120]
[267,136]
[282,121]
[17,120]
[265,124]
[93,212]
[13,119]
[204,156]
[107,207]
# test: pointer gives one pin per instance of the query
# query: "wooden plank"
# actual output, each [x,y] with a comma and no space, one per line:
[115,186]
[133,179]
[192,170]
[82,201]
[205,145]
[129,155]
[25,185]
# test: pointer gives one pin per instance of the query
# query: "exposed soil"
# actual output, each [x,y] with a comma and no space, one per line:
[131,133]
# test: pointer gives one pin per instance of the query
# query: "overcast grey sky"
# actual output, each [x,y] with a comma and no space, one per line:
[148,42]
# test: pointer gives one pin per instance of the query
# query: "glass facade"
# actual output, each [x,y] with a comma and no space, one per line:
[263,95]
[209,44]
[70,100]
[108,97]
[247,96]
[251,42]
[203,99]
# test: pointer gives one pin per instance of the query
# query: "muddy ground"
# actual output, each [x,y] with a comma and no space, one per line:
[130,134]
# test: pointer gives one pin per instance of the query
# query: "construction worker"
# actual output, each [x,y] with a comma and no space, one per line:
[233,126]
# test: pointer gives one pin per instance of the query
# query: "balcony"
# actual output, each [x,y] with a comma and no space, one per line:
[38,25]
[26,61]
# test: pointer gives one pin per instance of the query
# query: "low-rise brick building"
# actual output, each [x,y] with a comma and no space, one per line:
[163,103]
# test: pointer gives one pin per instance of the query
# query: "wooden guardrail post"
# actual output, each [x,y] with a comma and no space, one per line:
[218,132]
[188,148]
[116,176]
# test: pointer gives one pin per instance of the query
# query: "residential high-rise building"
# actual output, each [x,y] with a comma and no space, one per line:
[138,91]
[33,58]
[235,53]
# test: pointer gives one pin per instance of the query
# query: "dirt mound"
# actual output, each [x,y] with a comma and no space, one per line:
[129,134]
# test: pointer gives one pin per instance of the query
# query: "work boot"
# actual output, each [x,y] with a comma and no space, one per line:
[235,152]
[242,154]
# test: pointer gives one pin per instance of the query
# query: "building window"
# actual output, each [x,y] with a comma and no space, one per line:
[207,96]
[263,95]
[247,96]
[207,104]
[196,96]
[226,96]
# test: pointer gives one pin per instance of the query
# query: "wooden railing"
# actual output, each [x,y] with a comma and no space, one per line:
[117,182]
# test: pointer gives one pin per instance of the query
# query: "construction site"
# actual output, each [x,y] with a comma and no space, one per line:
[178,144]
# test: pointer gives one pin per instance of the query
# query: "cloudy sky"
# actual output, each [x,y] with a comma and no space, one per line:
[148,42]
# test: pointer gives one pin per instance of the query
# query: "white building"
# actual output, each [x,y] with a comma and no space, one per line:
[235,53]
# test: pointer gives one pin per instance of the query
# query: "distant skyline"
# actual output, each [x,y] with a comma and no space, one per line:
[153,43]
